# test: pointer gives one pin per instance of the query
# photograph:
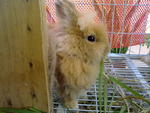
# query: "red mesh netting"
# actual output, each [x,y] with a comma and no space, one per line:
[126,19]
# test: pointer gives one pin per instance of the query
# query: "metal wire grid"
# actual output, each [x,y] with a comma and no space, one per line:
[122,32]
[145,71]
[131,72]
[126,70]
[126,4]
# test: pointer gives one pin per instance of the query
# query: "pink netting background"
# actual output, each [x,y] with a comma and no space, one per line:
[126,19]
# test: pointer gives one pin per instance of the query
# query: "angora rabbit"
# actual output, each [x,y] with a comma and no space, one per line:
[80,46]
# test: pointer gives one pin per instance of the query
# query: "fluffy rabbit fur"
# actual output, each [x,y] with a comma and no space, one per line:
[80,46]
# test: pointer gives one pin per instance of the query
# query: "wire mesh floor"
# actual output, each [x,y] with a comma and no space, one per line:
[129,70]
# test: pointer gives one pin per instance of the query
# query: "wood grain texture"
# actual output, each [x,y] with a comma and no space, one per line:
[23,54]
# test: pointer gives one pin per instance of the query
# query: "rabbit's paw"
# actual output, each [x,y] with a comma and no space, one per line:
[72,104]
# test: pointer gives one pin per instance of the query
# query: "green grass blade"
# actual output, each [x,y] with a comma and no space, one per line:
[136,97]
[2,112]
[105,95]
[100,87]
[137,105]
[146,110]
[35,110]
[14,110]
[136,94]
[112,98]
[116,112]
[123,109]
[116,81]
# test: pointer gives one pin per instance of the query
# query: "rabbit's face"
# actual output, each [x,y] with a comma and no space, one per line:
[82,37]
[89,43]
[94,38]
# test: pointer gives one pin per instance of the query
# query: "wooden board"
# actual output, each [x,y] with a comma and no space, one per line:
[23,55]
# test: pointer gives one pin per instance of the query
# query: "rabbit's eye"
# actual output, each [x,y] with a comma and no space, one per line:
[91,38]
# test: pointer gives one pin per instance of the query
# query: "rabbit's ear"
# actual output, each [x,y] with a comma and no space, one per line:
[66,12]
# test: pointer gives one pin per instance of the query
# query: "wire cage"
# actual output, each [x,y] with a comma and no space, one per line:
[128,23]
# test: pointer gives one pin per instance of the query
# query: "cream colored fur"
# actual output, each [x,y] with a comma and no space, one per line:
[78,59]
